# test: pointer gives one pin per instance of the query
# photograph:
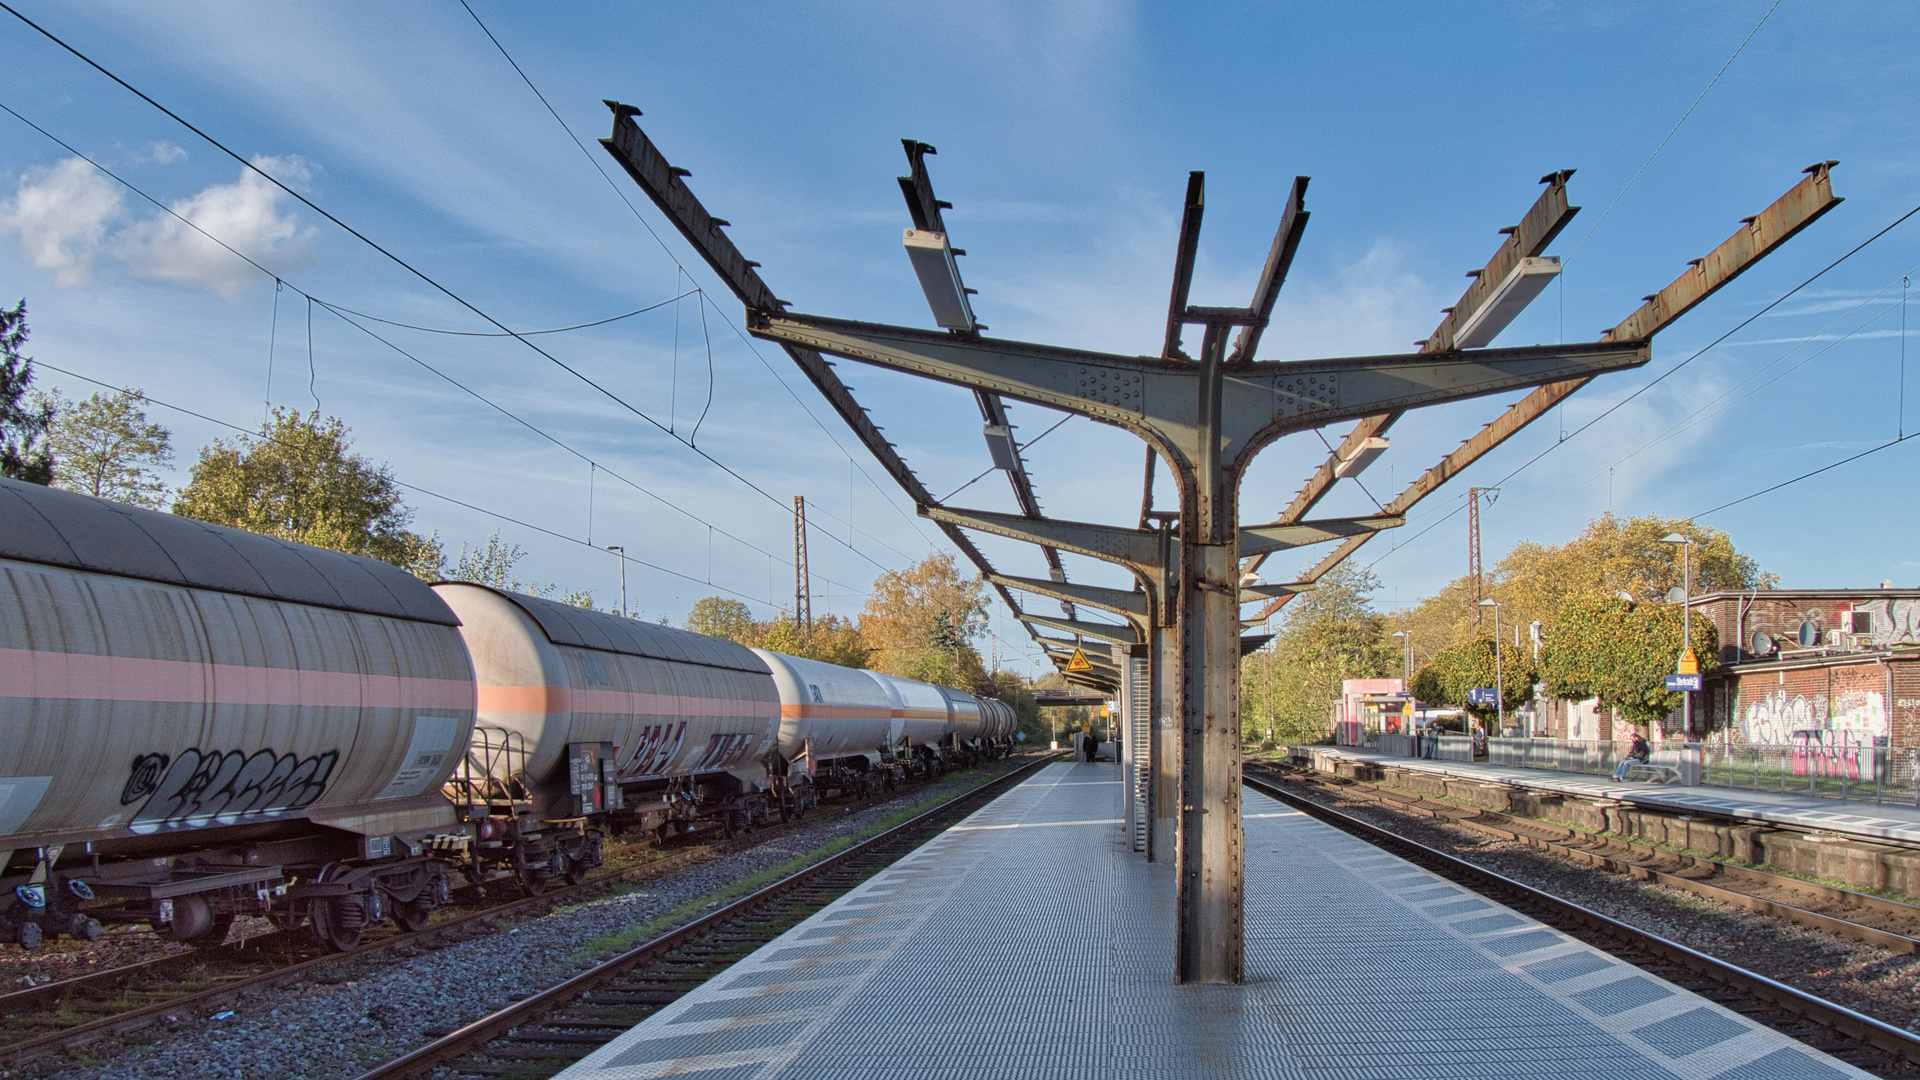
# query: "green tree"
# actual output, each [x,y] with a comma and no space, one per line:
[106,447]
[300,481]
[24,454]
[1017,692]
[1470,666]
[1621,653]
[920,624]
[1329,635]
[717,616]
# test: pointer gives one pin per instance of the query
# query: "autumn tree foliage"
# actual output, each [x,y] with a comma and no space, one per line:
[831,639]
[1621,652]
[299,480]
[920,624]
[1611,555]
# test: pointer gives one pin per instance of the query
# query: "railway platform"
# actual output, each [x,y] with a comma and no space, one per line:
[1028,942]
[1868,821]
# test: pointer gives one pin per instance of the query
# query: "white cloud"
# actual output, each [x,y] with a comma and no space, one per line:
[61,215]
[165,153]
[245,215]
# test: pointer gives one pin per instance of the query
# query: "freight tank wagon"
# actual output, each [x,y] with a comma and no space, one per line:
[588,718]
[197,721]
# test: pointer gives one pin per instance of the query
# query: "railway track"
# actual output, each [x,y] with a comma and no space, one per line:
[1860,1040]
[1877,920]
[68,1014]
[543,1033]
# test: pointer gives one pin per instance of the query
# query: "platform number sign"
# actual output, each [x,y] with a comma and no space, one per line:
[1483,696]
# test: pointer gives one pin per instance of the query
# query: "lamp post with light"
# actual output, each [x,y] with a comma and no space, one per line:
[1499,677]
[622,552]
[1686,623]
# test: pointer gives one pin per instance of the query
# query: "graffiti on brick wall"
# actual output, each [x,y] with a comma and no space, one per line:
[1825,739]
[1894,621]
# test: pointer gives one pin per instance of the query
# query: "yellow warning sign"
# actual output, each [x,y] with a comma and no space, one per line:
[1079,662]
[1407,709]
[1689,663]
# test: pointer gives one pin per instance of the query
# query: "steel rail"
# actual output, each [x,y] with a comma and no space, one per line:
[1476,818]
[68,1038]
[499,1023]
[1881,1036]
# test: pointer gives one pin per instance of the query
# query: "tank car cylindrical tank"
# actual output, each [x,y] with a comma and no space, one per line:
[835,723]
[583,713]
[200,721]
[921,721]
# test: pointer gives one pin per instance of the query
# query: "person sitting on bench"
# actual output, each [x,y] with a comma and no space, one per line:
[1638,753]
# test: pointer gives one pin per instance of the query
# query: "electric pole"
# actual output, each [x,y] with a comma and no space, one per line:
[802,595]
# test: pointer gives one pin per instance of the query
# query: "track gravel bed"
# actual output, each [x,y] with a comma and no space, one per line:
[1868,979]
[339,1024]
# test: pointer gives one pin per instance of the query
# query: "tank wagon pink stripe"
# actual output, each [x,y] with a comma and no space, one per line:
[561,699]
[27,673]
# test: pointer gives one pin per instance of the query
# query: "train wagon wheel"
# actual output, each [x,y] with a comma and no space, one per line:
[533,880]
[335,921]
[413,915]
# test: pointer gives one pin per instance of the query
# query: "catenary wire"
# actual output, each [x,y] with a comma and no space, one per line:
[342,313]
[619,192]
[495,514]
[1707,411]
[422,275]
[1675,130]
[1610,410]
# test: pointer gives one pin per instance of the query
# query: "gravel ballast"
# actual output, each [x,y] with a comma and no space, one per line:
[362,1013]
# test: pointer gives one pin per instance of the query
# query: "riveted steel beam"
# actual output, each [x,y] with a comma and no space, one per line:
[1094,596]
[1159,399]
[1759,236]
[1251,593]
[1260,539]
[1118,634]
[1286,241]
[1113,543]
[1184,253]
[1091,648]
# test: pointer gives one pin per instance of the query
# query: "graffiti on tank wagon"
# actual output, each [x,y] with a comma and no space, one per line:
[198,789]
[1826,740]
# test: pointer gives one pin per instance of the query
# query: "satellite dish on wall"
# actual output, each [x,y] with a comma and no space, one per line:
[1676,595]
[1763,643]
[1809,635]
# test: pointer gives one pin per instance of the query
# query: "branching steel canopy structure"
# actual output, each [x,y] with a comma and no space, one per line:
[1205,418]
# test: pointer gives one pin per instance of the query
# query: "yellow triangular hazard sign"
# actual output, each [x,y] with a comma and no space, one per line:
[1079,662]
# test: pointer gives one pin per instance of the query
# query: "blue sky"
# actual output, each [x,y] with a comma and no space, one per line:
[1065,133]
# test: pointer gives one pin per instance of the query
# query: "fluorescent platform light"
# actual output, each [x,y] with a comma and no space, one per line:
[1000,445]
[939,278]
[1357,463]
[1508,301]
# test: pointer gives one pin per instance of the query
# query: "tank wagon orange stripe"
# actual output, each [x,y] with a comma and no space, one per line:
[562,699]
[839,712]
[31,673]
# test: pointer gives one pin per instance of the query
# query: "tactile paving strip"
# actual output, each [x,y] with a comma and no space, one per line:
[1029,942]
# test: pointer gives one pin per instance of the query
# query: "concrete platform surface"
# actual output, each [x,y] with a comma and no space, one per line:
[1869,821]
[1027,942]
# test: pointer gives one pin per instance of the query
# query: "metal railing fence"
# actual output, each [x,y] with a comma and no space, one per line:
[1850,771]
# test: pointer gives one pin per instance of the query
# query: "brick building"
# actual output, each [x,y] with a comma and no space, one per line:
[1835,666]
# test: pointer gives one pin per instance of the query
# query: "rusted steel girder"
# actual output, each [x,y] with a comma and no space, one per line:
[649,168]
[1759,236]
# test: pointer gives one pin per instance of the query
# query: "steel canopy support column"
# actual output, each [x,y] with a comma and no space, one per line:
[1210,867]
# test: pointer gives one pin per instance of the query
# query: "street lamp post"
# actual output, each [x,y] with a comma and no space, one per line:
[1407,665]
[1499,677]
[622,552]
[1686,621]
